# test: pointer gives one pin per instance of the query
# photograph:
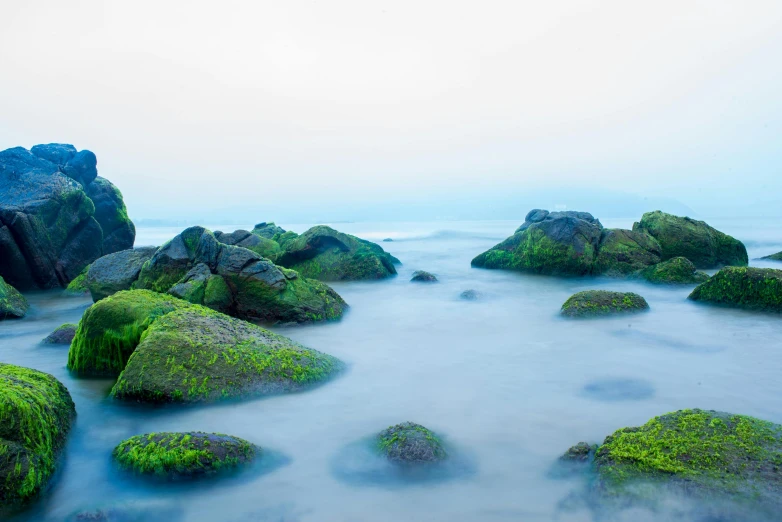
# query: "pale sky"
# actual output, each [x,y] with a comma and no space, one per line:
[197,107]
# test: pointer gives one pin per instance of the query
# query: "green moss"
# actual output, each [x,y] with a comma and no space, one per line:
[36,413]
[708,449]
[12,303]
[78,286]
[678,270]
[217,294]
[622,252]
[183,454]
[410,442]
[111,328]
[592,303]
[743,287]
[197,354]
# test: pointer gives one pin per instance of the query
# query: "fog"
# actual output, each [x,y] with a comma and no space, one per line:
[348,110]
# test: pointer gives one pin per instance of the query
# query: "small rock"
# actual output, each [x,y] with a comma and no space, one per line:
[62,335]
[470,295]
[410,443]
[581,452]
[420,276]
[387,240]
[592,303]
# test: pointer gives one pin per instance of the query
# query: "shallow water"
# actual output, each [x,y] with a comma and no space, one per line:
[509,383]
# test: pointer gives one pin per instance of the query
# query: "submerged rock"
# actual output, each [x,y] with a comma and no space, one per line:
[63,334]
[581,452]
[702,244]
[197,355]
[410,443]
[53,210]
[678,270]
[184,455]
[591,303]
[470,295]
[743,287]
[36,413]
[114,272]
[774,257]
[420,276]
[12,303]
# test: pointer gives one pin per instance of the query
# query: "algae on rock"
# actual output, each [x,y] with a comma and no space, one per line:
[12,302]
[592,303]
[743,287]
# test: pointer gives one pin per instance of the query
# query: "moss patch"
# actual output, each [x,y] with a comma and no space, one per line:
[743,287]
[678,270]
[591,303]
[12,303]
[36,413]
[184,455]
[410,443]
[63,334]
[78,286]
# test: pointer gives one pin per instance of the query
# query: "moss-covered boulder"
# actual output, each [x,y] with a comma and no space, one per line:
[268,230]
[63,334]
[743,287]
[410,443]
[592,303]
[329,255]
[701,452]
[36,413]
[422,276]
[197,355]
[184,455]
[260,244]
[774,257]
[556,243]
[110,329]
[232,279]
[702,244]
[12,303]
[56,215]
[78,286]
[118,271]
[622,252]
[678,270]
[581,452]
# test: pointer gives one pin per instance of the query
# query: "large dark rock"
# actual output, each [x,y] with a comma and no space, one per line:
[702,244]
[50,227]
[118,271]
[743,287]
[231,279]
[12,303]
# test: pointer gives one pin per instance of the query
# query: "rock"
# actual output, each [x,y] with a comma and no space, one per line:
[195,354]
[118,271]
[774,257]
[699,452]
[470,295]
[78,286]
[702,244]
[184,455]
[743,287]
[267,230]
[110,329]
[36,413]
[267,248]
[420,276]
[63,334]
[410,443]
[12,303]
[387,240]
[678,270]
[592,303]
[557,243]
[581,452]
[239,281]
[622,252]
[328,255]
[50,225]
[146,511]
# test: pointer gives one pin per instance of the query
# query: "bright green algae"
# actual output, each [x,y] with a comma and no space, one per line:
[78,286]
[409,443]
[198,355]
[704,451]
[178,455]
[743,287]
[12,303]
[36,413]
[111,328]
[591,303]
[678,270]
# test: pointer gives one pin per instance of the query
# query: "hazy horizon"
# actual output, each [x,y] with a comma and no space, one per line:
[353,111]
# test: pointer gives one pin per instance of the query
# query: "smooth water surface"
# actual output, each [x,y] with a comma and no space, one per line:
[509,383]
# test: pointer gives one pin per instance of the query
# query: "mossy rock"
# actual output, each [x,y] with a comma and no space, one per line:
[115,272]
[329,255]
[13,305]
[260,244]
[622,252]
[470,295]
[743,287]
[421,276]
[184,455]
[63,334]
[678,270]
[78,286]
[592,303]
[36,413]
[195,354]
[702,452]
[702,244]
[774,257]
[267,230]
[581,452]
[110,329]
[410,443]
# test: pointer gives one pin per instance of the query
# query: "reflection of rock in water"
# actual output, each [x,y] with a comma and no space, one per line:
[360,464]
[612,390]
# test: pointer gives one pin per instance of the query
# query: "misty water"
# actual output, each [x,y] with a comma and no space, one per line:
[507,382]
